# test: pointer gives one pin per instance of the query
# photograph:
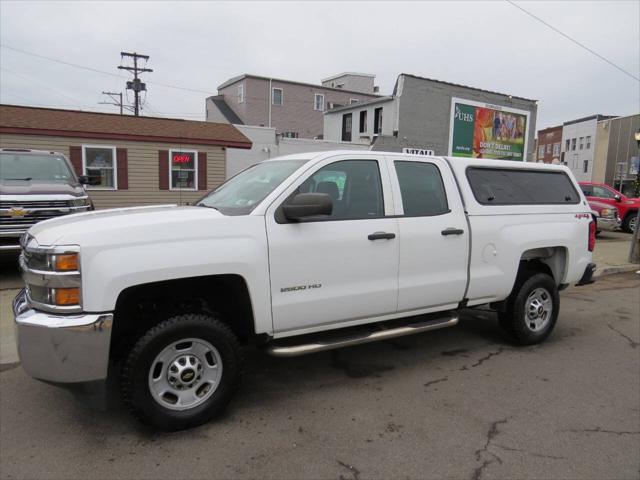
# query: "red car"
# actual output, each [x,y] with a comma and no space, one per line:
[627,207]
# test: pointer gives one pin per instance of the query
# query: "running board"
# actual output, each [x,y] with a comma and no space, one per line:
[366,337]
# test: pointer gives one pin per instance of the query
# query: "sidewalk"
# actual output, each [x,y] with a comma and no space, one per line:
[611,254]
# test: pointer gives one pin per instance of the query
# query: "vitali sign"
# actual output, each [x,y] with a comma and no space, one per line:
[481,130]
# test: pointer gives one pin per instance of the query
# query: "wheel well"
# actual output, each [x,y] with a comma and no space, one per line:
[549,260]
[140,307]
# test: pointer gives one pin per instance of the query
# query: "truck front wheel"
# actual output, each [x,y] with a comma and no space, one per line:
[181,372]
[531,310]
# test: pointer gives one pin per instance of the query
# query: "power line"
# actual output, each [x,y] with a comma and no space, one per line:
[95,70]
[574,40]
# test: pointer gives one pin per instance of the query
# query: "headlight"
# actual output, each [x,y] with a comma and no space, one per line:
[81,202]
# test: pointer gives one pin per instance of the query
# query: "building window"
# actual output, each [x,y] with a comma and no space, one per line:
[573,144]
[588,142]
[541,151]
[581,143]
[566,148]
[183,169]
[585,166]
[556,149]
[377,120]
[318,102]
[363,121]
[241,93]
[277,96]
[548,148]
[346,127]
[353,100]
[100,165]
[289,134]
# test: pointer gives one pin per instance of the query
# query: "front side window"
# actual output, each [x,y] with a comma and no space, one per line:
[241,194]
[318,102]
[19,167]
[99,164]
[183,169]
[587,190]
[602,192]
[422,190]
[277,96]
[354,186]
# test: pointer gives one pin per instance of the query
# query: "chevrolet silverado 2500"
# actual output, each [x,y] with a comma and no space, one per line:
[298,254]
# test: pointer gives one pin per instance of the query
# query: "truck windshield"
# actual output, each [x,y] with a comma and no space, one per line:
[241,194]
[28,167]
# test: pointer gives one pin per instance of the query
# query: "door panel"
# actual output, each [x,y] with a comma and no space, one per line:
[328,271]
[434,235]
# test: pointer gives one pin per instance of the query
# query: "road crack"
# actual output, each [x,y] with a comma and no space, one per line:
[488,356]
[539,455]
[354,471]
[601,430]
[631,341]
[484,451]
[433,382]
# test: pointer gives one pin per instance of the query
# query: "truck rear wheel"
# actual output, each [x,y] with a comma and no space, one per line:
[181,372]
[531,310]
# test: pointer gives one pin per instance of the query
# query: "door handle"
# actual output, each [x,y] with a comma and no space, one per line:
[381,236]
[452,231]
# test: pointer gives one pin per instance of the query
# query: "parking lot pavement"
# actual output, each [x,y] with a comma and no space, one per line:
[454,403]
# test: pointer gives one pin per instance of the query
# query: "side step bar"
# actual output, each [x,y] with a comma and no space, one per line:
[367,337]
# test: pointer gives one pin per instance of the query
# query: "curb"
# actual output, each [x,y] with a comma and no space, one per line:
[601,272]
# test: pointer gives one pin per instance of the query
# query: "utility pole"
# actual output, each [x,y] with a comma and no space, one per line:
[136,85]
[117,101]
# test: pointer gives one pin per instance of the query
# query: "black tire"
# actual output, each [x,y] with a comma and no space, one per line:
[136,392]
[626,223]
[513,319]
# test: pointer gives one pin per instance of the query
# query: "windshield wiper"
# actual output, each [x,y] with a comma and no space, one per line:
[207,206]
[26,178]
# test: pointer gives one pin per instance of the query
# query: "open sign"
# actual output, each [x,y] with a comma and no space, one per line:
[182,158]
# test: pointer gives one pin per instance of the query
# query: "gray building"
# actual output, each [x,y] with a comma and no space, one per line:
[442,117]
[295,109]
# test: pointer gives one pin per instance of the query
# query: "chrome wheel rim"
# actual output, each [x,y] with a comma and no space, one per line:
[185,374]
[538,309]
[632,223]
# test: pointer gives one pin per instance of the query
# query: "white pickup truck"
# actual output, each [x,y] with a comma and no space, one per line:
[297,254]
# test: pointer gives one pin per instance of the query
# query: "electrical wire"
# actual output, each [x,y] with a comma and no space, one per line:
[573,40]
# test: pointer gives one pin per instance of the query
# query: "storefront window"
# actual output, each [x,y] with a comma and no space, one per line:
[183,169]
[99,164]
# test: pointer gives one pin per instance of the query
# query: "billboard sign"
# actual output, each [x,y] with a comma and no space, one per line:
[482,130]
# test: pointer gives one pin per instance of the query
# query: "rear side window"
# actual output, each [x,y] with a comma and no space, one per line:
[422,189]
[502,186]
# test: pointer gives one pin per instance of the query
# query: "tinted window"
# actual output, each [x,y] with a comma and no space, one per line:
[501,186]
[354,187]
[421,188]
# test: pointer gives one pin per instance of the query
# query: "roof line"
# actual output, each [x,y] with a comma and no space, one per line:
[233,80]
[348,73]
[467,87]
[358,105]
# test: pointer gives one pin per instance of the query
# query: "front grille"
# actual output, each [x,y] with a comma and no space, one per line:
[22,214]
[34,204]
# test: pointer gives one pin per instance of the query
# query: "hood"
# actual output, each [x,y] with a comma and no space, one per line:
[39,187]
[124,226]
[595,205]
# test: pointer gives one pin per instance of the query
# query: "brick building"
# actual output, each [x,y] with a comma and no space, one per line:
[549,145]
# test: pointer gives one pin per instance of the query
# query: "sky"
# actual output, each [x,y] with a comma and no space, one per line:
[198,45]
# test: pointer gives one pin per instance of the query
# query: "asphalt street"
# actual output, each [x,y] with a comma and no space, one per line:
[460,403]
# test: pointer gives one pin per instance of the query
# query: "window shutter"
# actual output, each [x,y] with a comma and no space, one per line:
[202,171]
[163,169]
[75,155]
[122,166]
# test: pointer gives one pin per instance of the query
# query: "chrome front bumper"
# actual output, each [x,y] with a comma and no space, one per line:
[609,223]
[62,348]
